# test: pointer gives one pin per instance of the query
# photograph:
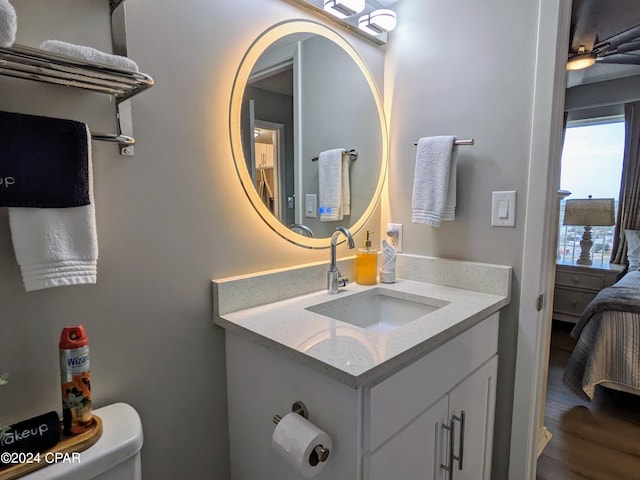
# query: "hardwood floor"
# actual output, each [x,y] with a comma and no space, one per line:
[598,440]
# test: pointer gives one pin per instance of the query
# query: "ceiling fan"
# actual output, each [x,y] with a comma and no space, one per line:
[590,19]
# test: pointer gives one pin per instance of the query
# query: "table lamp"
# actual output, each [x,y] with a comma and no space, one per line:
[589,212]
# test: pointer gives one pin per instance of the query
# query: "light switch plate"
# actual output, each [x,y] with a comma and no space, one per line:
[310,202]
[503,209]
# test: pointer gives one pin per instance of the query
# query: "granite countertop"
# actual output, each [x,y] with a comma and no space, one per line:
[353,355]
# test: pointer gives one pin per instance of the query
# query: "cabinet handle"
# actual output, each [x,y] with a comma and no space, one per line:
[576,279]
[460,455]
[452,433]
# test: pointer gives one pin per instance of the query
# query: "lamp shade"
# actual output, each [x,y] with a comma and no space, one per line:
[590,211]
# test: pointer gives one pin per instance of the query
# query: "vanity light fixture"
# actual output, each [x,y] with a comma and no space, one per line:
[344,8]
[378,22]
[582,59]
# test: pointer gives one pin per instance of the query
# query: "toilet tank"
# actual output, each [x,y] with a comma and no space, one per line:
[115,456]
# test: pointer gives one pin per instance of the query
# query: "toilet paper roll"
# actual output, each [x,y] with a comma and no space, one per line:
[295,439]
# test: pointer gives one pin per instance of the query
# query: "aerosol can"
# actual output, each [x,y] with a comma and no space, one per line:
[75,377]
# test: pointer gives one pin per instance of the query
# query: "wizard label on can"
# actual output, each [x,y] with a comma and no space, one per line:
[75,379]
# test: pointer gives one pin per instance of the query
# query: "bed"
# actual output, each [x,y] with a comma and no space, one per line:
[608,341]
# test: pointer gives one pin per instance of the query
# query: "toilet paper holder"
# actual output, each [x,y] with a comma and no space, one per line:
[319,453]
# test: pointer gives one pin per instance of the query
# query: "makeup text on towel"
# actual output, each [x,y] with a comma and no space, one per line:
[7,181]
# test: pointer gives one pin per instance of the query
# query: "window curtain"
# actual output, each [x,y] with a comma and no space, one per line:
[629,199]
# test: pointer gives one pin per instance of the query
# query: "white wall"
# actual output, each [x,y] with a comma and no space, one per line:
[169,220]
[466,68]
[175,216]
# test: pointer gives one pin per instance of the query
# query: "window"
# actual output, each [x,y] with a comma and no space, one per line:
[591,165]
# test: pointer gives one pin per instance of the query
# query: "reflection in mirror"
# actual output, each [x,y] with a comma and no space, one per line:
[267,157]
[306,91]
[267,106]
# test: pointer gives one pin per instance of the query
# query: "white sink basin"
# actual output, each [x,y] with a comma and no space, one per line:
[378,309]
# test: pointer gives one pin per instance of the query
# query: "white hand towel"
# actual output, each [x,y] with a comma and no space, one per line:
[56,246]
[433,198]
[449,212]
[88,53]
[8,24]
[346,187]
[330,185]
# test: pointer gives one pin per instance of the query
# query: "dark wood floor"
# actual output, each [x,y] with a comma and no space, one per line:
[598,440]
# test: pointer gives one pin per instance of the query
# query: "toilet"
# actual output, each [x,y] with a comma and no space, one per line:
[116,456]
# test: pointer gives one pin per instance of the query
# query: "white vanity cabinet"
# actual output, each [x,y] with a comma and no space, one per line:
[415,451]
[384,396]
[427,448]
[392,429]
[447,396]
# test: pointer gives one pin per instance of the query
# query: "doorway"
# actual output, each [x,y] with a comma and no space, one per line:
[267,162]
[592,91]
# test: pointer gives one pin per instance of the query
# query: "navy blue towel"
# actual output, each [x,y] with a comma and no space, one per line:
[43,162]
[25,439]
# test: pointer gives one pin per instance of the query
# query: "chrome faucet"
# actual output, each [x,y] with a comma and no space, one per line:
[334,280]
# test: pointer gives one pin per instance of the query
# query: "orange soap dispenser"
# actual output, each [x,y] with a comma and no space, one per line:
[366,263]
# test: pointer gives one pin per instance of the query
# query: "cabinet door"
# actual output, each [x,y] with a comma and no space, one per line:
[475,396]
[264,155]
[415,453]
[268,155]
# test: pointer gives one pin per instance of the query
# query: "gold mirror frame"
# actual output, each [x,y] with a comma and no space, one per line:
[247,63]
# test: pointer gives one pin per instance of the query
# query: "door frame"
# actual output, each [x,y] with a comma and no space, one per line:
[278,177]
[538,261]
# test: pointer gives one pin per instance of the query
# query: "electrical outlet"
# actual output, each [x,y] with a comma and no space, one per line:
[394,235]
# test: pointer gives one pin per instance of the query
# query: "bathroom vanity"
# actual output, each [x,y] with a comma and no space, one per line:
[406,393]
[402,377]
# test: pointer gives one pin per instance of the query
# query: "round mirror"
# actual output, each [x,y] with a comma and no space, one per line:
[301,94]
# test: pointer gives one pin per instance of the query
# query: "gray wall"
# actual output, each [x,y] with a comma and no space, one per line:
[466,68]
[169,220]
[602,94]
[175,215]
[337,111]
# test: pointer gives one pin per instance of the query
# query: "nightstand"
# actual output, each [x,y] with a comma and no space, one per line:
[576,285]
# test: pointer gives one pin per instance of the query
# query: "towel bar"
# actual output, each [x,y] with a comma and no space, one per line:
[49,67]
[353,155]
[112,137]
[470,141]
[39,65]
